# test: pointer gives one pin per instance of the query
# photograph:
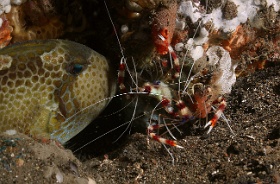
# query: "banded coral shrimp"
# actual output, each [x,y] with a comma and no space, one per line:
[181,91]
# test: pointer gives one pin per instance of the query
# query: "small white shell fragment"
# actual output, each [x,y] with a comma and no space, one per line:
[8,9]
[11,132]
[197,52]
[189,44]
[187,9]
[203,37]
[179,47]
[257,2]
[124,29]
[180,24]
[91,181]
[59,177]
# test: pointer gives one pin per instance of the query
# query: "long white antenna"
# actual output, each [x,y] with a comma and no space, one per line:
[119,42]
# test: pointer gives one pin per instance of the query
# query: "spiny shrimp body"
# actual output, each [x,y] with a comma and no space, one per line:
[193,89]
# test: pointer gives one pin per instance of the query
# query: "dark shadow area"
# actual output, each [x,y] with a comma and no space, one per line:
[99,136]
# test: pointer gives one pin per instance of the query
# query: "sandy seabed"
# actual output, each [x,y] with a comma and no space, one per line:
[251,156]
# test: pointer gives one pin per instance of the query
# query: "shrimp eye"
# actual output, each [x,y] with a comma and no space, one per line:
[75,68]
[156,82]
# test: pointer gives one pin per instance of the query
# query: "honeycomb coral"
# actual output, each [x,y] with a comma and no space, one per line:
[48,92]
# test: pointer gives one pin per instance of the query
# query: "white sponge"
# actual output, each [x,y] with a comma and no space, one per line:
[220,63]
[219,57]
[5,6]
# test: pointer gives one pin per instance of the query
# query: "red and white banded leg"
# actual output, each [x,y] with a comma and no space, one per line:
[157,138]
[184,111]
[121,75]
[174,56]
[217,115]
[161,91]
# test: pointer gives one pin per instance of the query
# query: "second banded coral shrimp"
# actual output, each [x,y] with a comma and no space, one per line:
[158,95]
